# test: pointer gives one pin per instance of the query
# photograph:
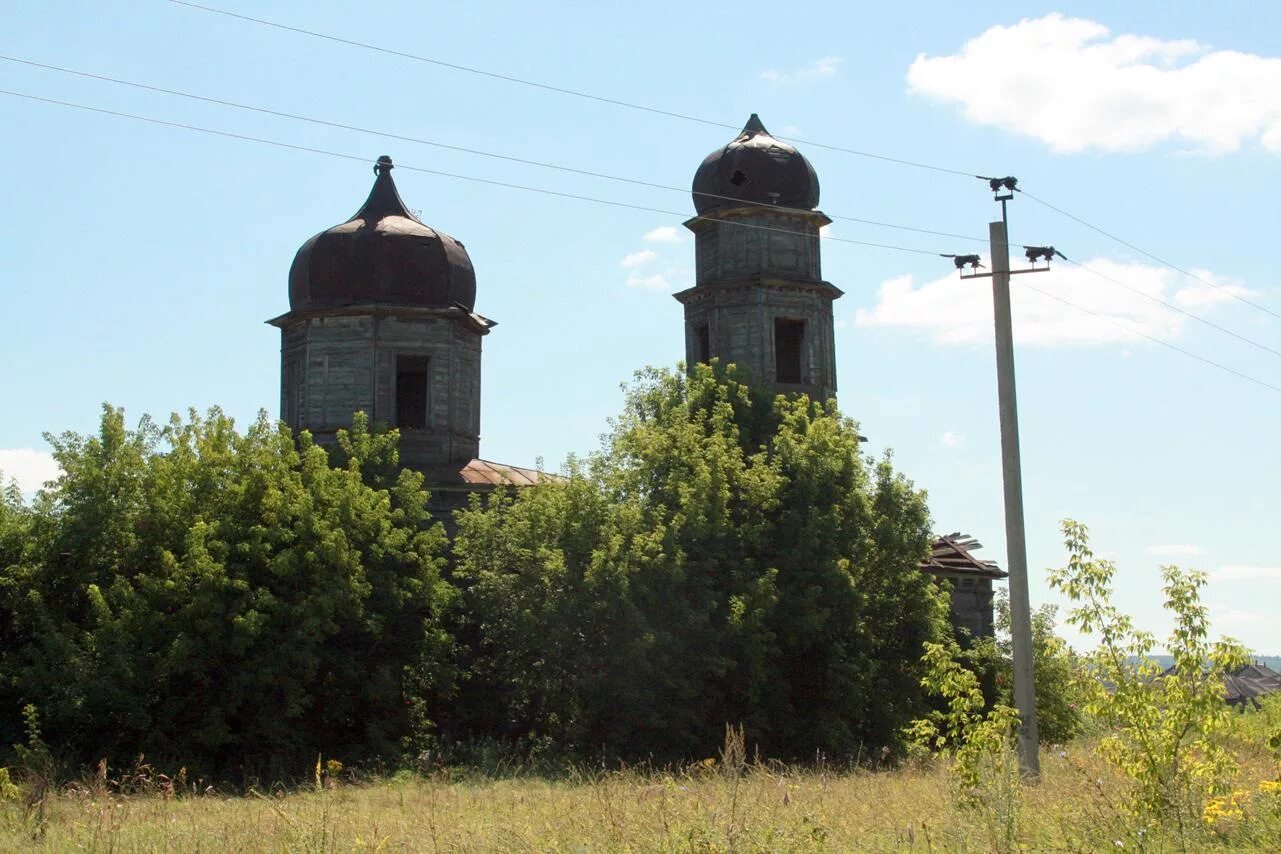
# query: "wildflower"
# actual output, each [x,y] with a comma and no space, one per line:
[1270,787]
[1226,808]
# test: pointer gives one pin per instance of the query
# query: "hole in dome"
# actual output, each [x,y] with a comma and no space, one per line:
[738,179]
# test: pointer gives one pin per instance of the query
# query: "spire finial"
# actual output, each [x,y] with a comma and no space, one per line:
[754,125]
[383,166]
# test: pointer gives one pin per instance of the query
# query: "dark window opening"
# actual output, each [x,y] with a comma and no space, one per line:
[789,336]
[411,392]
[738,179]
[704,341]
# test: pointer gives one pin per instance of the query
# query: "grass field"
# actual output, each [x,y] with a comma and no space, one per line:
[705,808]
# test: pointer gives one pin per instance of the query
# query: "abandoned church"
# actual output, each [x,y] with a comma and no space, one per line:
[382,320]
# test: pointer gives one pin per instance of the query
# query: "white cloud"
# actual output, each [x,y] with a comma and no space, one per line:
[1225,617]
[1247,573]
[664,234]
[951,440]
[959,311]
[1176,550]
[29,467]
[1071,84]
[819,68]
[655,282]
[636,259]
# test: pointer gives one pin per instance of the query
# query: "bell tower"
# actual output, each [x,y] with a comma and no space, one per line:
[381,320]
[759,299]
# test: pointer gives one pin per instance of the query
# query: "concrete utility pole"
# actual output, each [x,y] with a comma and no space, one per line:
[1012,471]
[1011,467]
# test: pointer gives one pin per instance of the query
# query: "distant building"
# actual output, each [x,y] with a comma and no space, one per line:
[382,320]
[969,578]
[1249,684]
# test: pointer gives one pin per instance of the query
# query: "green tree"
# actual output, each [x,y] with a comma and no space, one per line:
[1165,732]
[218,598]
[1059,703]
[723,559]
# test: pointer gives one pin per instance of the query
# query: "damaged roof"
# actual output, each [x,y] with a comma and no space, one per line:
[950,555]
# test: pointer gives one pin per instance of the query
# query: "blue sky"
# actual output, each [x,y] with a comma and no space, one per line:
[139,262]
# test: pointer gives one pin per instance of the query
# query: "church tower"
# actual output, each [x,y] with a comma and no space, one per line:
[759,299]
[381,320]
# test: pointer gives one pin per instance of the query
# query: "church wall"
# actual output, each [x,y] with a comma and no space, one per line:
[333,366]
[740,324]
[754,243]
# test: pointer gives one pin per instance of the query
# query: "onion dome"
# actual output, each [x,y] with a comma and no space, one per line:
[755,169]
[384,254]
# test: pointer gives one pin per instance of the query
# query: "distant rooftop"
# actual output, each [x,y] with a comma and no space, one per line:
[950,555]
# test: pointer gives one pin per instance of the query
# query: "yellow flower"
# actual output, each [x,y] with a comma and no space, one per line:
[1270,787]
[1227,808]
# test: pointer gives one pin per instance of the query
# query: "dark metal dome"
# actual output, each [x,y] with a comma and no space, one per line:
[755,169]
[383,254]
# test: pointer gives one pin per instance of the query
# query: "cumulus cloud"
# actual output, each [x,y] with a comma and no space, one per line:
[1247,573]
[664,234]
[29,467]
[951,440]
[1225,616]
[655,282]
[1072,84]
[819,68]
[1176,550]
[959,311]
[636,259]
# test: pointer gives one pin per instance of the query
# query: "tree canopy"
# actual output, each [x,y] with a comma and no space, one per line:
[242,601]
[216,598]
[723,559]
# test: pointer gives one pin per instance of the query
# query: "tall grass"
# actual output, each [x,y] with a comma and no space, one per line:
[726,803]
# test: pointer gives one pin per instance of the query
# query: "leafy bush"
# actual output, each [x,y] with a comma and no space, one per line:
[723,559]
[1165,732]
[215,598]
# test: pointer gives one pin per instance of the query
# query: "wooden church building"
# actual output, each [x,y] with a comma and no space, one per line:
[382,320]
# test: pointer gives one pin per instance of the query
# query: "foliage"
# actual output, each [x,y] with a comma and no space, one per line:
[705,806]
[723,559]
[1055,665]
[1165,732]
[220,599]
[977,737]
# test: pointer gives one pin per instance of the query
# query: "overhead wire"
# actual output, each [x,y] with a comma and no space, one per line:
[1236,296]
[577,93]
[455,175]
[462,149]
[700,120]
[595,200]
[1171,306]
[1154,338]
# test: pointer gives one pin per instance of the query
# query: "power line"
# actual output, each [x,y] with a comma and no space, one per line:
[1156,258]
[474,151]
[594,200]
[1176,348]
[455,175]
[577,93]
[1173,307]
[576,171]
[699,120]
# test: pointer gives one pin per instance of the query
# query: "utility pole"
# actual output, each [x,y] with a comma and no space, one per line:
[1011,467]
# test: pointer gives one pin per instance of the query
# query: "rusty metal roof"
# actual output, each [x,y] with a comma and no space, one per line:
[484,472]
[383,254]
[950,555]
[755,168]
